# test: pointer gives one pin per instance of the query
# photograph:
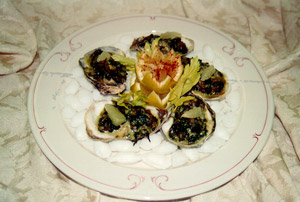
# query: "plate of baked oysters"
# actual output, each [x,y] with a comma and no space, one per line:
[150,107]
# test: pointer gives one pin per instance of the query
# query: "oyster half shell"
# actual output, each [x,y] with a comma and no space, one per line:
[168,41]
[191,124]
[92,120]
[214,88]
[140,122]
[107,75]
[212,85]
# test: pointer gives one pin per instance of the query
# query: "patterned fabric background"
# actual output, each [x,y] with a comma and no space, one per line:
[269,29]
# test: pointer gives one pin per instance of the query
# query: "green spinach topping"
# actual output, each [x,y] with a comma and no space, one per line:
[106,68]
[188,130]
[166,43]
[141,121]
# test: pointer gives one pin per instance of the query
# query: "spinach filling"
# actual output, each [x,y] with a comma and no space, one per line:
[212,86]
[105,124]
[165,45]
[141,122]
[107,69]
[188,130]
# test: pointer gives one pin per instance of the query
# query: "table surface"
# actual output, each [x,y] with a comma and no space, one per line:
[31,29]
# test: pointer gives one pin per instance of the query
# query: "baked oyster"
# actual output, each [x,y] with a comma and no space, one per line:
[190,124]
[106,121]
[106,74]
[167,41]
[212,85]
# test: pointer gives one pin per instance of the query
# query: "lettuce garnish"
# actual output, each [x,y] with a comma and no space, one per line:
[150,48]
[134,98]
[188,79]
[126,61]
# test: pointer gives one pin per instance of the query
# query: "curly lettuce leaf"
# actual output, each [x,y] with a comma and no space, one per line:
[139,99]
[150,48]
[123,99]
[126,61]
[134,98]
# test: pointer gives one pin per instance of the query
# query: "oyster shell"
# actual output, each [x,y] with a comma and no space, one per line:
[140,122]
[212,85]
[107,75]
[191,124]
[168,41]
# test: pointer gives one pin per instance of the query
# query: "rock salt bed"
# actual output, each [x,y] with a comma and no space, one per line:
[88,144]
[218,64]
[78,93]
[178,158]
[80,132]
[77,72]
[222,133]
[207,148]
[234,100]
[157,160]
[191,153]
[212,144]
[73,102]
[216,106]
[125,158]
[166,148]
[229,120]
[72,88]
[208,54]
[96,95]
[68,112]
[102,149]
[78,119]
[155,140]
[122,146]
[85,83]
[85,97]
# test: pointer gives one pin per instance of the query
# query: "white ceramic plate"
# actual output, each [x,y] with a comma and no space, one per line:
[81,165]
